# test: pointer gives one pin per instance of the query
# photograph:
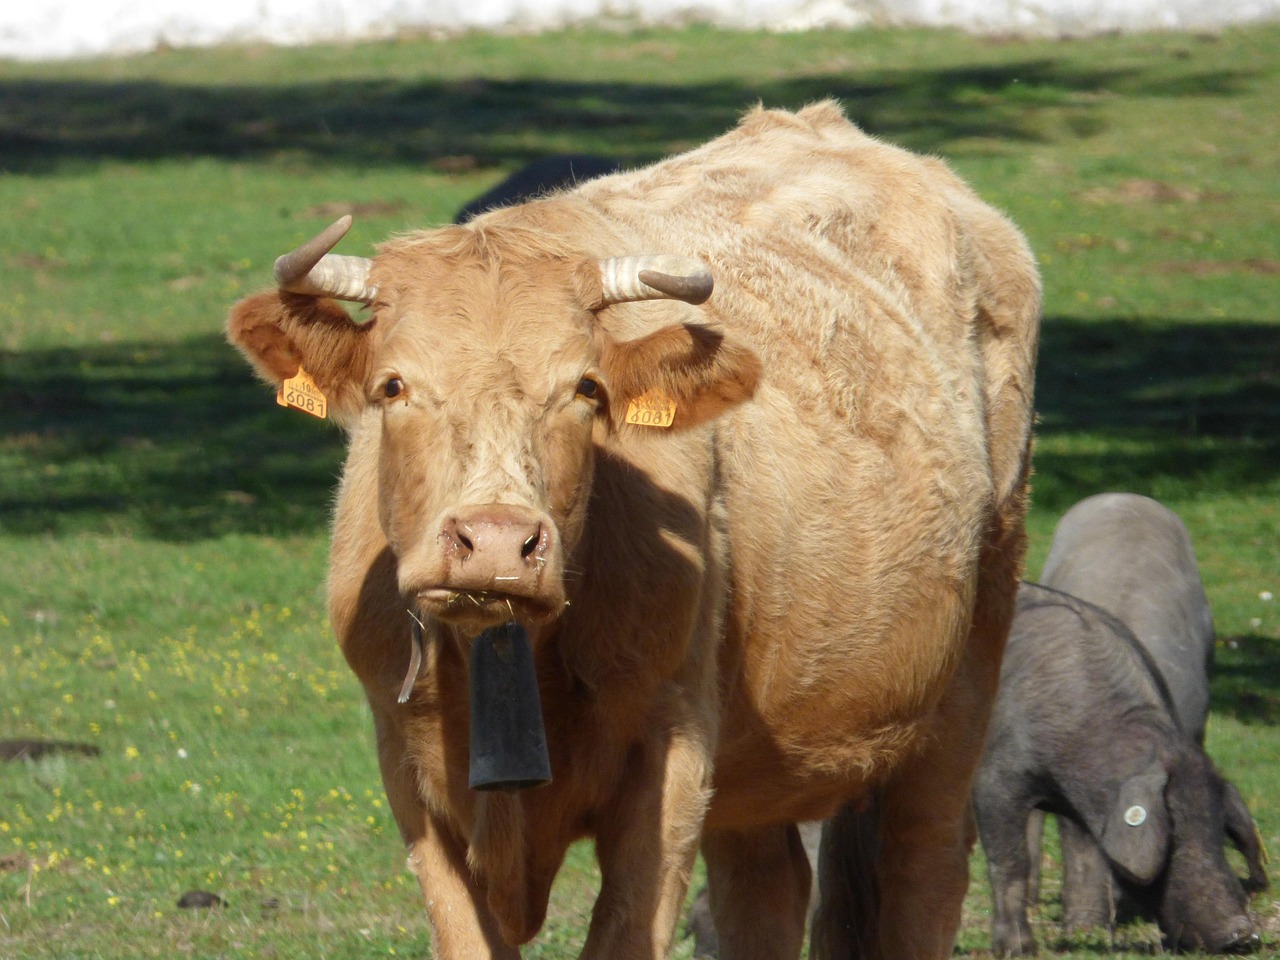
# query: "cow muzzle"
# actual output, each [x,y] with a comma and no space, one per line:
[493,563]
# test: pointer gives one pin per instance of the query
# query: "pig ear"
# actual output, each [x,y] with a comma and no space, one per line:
[1135,837]
[692,373]
[279,333]
[1243,833]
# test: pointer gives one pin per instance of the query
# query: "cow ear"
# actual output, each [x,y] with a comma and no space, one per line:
[1135,837]
[280,333]
[693,372]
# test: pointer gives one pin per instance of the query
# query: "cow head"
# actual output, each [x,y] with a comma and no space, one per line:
[490,381]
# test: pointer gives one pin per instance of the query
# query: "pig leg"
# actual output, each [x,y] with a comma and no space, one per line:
[1002,822]
[1086,879]
[1035,842]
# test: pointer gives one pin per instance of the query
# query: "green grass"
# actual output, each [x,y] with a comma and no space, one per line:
[163,523]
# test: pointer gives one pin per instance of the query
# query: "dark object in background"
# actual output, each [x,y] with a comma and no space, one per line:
[26,749]
[1083,729]
[539,177]
[1132,556]
[200,900]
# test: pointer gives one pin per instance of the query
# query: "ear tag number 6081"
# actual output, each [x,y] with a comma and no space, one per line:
[653,408]
[301,393]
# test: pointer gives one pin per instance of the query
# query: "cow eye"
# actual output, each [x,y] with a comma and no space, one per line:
[589,388]
[393,388]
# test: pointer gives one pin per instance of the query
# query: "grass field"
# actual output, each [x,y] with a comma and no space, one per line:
[163,522]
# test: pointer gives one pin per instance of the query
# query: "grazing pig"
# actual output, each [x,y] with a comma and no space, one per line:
[1083,729]
[1133,557]
[537,179]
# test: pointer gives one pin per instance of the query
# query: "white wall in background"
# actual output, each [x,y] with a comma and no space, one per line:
[58,29]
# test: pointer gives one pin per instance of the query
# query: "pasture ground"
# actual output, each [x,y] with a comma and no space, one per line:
[162,522]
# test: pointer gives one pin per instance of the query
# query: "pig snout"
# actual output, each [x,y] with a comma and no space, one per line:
[1236,935]
[1242,937]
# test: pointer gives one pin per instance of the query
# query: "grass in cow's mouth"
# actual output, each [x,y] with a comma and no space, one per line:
[163,524]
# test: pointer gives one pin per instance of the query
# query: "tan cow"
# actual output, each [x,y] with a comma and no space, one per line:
[791,601]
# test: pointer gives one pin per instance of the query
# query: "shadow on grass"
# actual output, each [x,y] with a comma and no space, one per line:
[1246,680]
[47,123]
[173,441]
[1160,407]
[179,442]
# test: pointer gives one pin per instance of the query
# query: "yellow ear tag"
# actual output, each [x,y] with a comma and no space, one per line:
[301,393]
[653,408]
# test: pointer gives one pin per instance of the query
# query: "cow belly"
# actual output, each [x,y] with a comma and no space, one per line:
[810,726]
[853,584]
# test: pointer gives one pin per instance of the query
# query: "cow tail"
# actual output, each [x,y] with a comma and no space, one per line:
[844,923]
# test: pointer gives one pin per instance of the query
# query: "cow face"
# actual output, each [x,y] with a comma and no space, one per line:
[490,382]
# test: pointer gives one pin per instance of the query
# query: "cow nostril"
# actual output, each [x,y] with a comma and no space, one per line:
[529,546]
[453,535]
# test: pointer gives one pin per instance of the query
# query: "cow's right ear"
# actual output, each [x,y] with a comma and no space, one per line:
[694,371]
[1135,837]
[280,333]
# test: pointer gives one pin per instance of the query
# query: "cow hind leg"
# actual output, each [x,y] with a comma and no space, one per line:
[846,921]
[759,890]
[926,828]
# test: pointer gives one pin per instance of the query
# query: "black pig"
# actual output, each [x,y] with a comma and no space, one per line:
[1133,557]
[1083,728]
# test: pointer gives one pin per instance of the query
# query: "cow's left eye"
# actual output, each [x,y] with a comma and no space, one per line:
[393,388]
[589,388]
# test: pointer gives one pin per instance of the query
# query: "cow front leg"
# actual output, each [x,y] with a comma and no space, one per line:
[759,884]
[462,926]
[646,850]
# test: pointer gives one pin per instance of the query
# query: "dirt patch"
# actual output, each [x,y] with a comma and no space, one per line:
[334,210]
[1216,268]
[1140,191]
[35,749]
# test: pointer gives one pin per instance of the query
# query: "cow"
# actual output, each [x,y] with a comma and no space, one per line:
[740,442]
[1083,728]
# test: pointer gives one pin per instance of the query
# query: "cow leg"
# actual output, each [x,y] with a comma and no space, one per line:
[926,816]
[1086,879]
[646,849]
[462,926]
[759,882]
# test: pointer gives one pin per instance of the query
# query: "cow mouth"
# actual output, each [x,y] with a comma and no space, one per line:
[476,610]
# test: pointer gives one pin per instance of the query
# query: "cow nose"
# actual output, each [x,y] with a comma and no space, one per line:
[502,538]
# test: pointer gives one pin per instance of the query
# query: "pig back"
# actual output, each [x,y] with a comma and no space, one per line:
[1132,556]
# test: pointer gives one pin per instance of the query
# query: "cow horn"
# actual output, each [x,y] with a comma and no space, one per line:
[314,271]
[627,279]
